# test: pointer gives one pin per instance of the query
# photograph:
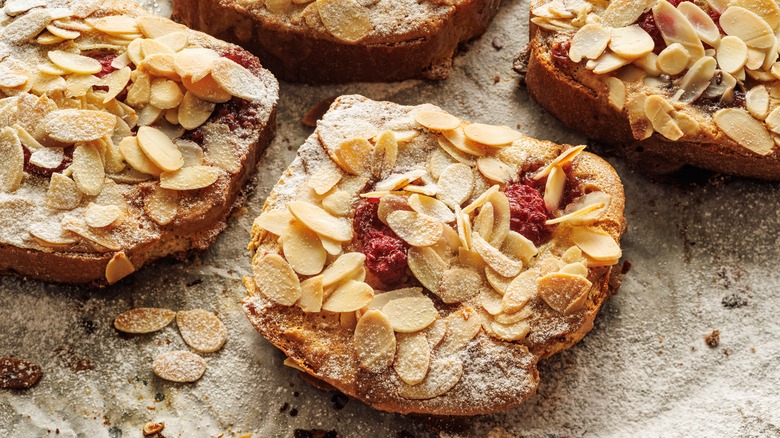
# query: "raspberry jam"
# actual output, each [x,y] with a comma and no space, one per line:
[647,22]
[385,252]
[46,172]
[528,213]
[105,59]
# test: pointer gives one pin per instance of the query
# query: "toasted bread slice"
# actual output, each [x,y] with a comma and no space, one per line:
[424,265]
[334,41]
[114,156]
[664,97]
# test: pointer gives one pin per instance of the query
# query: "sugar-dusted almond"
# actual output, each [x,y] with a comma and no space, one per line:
[345,266]
[749,27]
[190,178]
[159,148]
[143,320]
[311,295]
[162,205]
[274,221]
[458,285]
[325,178]
[380,299]
[410,314]
[118,268]
[495,258]
[462,326]
[456,185]
[237,80]
[384,154]
[576,268]
[87,168]
[464,229]
[458,139]
[302,249]
[631,42]
[443,375]
[617,92]
[696,79]
[491,135]
[349,297]
[553,189]
[436,332]
[511,332]
[499,283]
[481,199]
[102,241]
[320,221]
[154,26]
[115,24]
[165,94]
[586,213]
[354,155]
[496,170]
[748,132]
[658,111]
[702,23]
[74,63]
[51,235]
[276,279]
[18,374]
[12,154]
[414,228]
[399,180]
[194,62]
[413,357]
[427,266]
[391,203]
[179,366]
[621,13]
[589,42]
[608,62]
[338,203]
[483,223]
[160,64]
[25,27]
[17,7]
[757,102]
[597,244]
[520,291]
[437,120]
[455,153]
[732,54]
[201,330]
[561,160]
[675,28]
[151,47]
[136,158]
[519,247]
[490,300]
[139,93]
[375,342]
[116,82]
[193,111]
[102,216]
[73,125]
[566,293]
[346,20]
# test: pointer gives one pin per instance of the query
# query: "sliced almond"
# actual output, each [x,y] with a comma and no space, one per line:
[136,158]
[520,291]
[391,203]
[457,138]
[481,199]
[597,244]
[696,80]
[87,168]
[190,178]
[115,24]
[575,268]
[116,82]
[194,63]
[201,330]
[483,223]
[175,41]
[118,268]
[456,184]
[100,238]
[447,374]
[747,26]
[275,221]
[732,54]
[154,26]
[72,125]
[354,155]
[617,92]
[162,206]
[745,130]
[631,42]
[276,279]
[237,80]
[303,250]
[160,64]
[102,216]
[410,314]
[437,120]
[350,296]
[518,247]
[621,13]
[496,170]
[375,342]
[462,326]
[25,27]
[151,47]
[566,293]
[165,94]
[589,42]
[345,266]
[511,332]
[675,28]
[413,357]
[51,235]
[464,229]
[553,189]
[490,300]
[499,283]
[458,285]
[513,318]
[454,152]
[491,135]
[436,332]
[772,120]
[502,264]
[338,203]
[324,179]
[143,320]
[563,159]
[346,20]
[658,111]
[139,93]
[414,228]
[12,154]
[606,63]
[179,366]
[384,154]
[702,23]
[397,181]
[431,207]
[311,295]
[75,63]
[427,266]
[380,299]
[159,148]
[320,221]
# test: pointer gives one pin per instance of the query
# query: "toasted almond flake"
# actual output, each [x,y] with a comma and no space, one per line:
[136,158]
[658,110]
[483,223]
[162,205]
[495,170]
[565,293]
[413,357]
[350,296]
[511,332]
[456,184]
[354,155]
[499,283]
[702,23]
[400,180]
[414,228]
[384,154]
[201,330]
[675,28]
[589,42]
[696,80]
[143,320]
[47,68]
[576,268]
[380,299]
[576,215]
[115,24]
[431,207]
[154,27]
[553,189]
[462,326]
[118,268]
[494,258]
[375,342]
[63,193]
[458,285]
[455,153]
[346,20]
[179,366]
[194,62]
[324,179]
[24,28]
[631,42]
[517,246]
[490,300]
[165,94]
[175,41]
[160,64]
[749,27]
[151,47]
[311,295]
[437,120]
[159,148]
[87,169]
[12,155]
[427,266]
[102,216]
[116,82]
[303,250]
[745,130]
[563,159]
[437,162]
[457,138]
[436,332]
[732,54]
[491,135]
[276,279]
[139,93]
[65,34]
[338,203]
[51,235]
[520,291]
[320,221]
[74,63]
[390,203]
[345,266]
[443,375]
[464,229]
[237,80]
[72,125]
[580,203]
[617,92]
[606,63]
[481,199]
[98,237]
[597,244]
[621,13]
[410,314]
[16,7]
[190,178]
[772,120]
[332,247]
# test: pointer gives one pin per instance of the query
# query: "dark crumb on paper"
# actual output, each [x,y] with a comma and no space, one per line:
[625,267]
[496,79]
[734,301]
[713,339]
[339,401]
[284,407]
[195,282]
[293,412]
[727,352]
[315,433]
[89,326]
[18,374]
[497,43]
[159,397]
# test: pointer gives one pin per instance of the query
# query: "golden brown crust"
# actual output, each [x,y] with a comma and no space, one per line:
[299,54]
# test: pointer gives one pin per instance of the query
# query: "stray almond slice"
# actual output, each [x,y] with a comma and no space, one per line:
[18,373]
[345,266]
[303,250]
[491,135]
[566,293]
[346,20]
[502,264]
[462,326]
[414,228]
[427,266]
[102,216]
[354,155]
[458,285]
[75,63]
[597,244]
[375,342]
[276,279]
[456,185]
[350,296]
[237,80]
[194,111]
[563,159]
[511,332]
[437,120]
[520,291]
[12,154]
[143,320]
[162,205]
[413,357]
[201,330]
[118,268]
[410,314]
[72,125]
[190,178]
[745,130]
[443,375]
[160,149]
[589,42]
[179,366]
[311,295]
[320,221]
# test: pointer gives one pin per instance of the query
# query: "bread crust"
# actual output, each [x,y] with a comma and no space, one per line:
[194,228]
[296,53]
[497,374]
[582,109]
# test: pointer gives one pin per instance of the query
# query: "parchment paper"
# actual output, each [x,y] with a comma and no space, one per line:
[704,254]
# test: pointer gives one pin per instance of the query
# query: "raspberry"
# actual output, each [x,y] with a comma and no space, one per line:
[528,213]
[385,251]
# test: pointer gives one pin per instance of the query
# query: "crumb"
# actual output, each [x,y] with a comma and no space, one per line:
[713,339]
[496,79]
[734,301]
[497,43]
